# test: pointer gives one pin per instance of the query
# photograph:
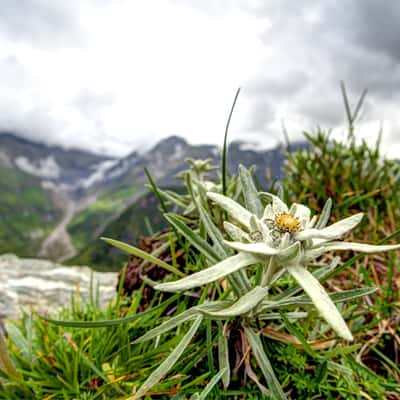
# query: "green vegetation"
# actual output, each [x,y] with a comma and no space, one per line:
[27,212]
[89,223]
[244,328]
[136,222]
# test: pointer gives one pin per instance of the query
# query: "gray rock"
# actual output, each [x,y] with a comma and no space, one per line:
[45,286]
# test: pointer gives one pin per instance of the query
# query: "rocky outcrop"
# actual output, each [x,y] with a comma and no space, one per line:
[46,286]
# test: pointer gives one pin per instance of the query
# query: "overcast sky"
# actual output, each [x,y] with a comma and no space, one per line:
[112,76]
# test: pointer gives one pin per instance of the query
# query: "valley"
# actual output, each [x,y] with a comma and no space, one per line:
[58,244]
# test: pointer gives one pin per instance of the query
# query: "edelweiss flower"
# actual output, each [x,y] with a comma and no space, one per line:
[281,228]
[294,239]
[283,239]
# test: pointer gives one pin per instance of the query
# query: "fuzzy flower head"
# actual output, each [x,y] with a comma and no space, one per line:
[285,223]
[281,230]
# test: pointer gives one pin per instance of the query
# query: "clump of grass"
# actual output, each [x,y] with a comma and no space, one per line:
[358,179]
[80,362]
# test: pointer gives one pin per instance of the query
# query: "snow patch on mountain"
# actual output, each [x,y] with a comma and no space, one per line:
[249,146]
[118,170]
[178,152]
[215,151]
[45,168]
[99,173]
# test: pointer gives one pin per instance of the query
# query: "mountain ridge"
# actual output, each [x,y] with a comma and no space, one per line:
[89,191]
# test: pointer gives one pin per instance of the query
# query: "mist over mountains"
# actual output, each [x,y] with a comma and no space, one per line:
[56,202]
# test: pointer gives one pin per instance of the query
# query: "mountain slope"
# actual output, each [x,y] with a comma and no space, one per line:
[38,186]
[62,166]
[27,212]
[91,222]
[137,221]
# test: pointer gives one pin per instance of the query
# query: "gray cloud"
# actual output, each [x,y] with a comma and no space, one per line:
[320,44]
[262,114]
[93,104]
[273,84]
[323,111]
[41,22]
[371,24]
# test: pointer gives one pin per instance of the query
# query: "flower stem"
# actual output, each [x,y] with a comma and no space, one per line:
[269,270]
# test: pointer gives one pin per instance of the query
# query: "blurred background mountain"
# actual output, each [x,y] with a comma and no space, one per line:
[55,203]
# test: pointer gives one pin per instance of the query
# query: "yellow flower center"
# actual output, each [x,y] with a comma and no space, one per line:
[287,223]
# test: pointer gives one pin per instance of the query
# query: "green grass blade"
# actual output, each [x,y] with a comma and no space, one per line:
[225,145]
[18,339]
[215,234]
[195,240]
[210,385]
[111,322]
[347,109]
[296,333]
[142,254]
[169,362]
[265,365]
[155,190]
[359,104]
[160,199]
[173,198]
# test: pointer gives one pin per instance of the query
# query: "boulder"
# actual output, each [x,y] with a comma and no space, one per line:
[45,286]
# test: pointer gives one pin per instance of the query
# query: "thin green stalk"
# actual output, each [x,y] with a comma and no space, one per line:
[162,204]
[210,356]
[225,148]
[388,294]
